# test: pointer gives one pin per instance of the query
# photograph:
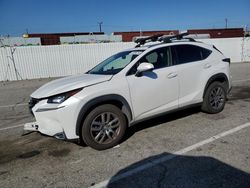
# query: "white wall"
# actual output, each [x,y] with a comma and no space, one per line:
[53,61]
[91,38]
[232,47]
[61,60]
[18,41]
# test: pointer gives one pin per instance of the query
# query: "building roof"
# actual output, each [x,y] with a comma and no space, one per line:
[29,35]
[128,36]
[219,33]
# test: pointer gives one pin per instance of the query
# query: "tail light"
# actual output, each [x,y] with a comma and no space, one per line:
[227,60]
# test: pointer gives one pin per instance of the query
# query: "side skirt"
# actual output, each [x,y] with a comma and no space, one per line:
[132,123]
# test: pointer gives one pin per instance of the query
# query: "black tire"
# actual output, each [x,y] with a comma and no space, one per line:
[215,98]
[101,122]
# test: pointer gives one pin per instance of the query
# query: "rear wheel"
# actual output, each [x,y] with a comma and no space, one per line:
[104,127]
[215,98]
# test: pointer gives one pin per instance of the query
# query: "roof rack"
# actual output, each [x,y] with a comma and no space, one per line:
[168,39]
[164,39]
[142,41]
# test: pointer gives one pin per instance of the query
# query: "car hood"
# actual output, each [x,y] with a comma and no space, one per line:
[69,83]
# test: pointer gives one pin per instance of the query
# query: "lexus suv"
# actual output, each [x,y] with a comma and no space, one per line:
[160,75]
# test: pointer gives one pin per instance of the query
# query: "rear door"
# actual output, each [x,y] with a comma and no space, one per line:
[191,66]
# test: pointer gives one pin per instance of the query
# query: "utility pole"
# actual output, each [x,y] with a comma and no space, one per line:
[226,22]
[100,26]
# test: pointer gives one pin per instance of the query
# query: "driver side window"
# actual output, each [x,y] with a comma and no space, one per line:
[152,58]
[160,58]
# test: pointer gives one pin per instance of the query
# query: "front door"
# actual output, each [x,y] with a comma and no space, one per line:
[156,91]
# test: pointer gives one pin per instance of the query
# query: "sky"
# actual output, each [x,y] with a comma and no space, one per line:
[48,16]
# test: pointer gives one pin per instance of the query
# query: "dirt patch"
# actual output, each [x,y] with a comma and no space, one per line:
[23,147]
[29,154]
[3,172]
[59,153]
[230,102]
[218,116]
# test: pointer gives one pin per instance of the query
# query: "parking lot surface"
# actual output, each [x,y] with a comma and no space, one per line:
[183,149]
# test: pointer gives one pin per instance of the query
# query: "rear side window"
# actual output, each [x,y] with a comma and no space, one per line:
[205,53]
[189,53]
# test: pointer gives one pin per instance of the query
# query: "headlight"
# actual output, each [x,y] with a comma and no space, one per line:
[58,99]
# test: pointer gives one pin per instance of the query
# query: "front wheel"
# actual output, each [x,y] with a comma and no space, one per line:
[104,127]
[215,98]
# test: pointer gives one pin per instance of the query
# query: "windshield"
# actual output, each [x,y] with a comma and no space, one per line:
[115,63]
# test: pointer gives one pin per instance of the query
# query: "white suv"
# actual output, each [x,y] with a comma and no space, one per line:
[131,86]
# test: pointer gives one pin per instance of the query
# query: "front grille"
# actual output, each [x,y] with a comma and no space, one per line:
[32,103]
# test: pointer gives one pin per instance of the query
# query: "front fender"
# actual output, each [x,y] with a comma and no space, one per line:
[102,100]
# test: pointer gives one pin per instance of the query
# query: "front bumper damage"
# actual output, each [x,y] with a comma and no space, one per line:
[56,120]
[34,127]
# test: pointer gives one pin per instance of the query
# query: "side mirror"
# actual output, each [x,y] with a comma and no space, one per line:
[144,67]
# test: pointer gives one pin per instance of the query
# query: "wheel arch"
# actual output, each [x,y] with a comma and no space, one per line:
[114,99]
[220,77]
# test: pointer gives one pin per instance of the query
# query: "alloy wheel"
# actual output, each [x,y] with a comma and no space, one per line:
[105,127]
[217,98]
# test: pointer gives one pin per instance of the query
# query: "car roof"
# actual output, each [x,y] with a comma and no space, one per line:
[154,45]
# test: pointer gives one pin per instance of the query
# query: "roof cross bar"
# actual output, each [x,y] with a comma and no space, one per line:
[142,41]
[168,39]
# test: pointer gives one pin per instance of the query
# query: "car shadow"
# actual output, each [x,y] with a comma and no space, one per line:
[159,120]
[239,93]
[170,170]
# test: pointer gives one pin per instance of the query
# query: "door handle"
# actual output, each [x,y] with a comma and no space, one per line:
[206,66]
[172,75]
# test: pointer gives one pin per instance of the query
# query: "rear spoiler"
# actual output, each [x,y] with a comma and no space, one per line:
[217,49]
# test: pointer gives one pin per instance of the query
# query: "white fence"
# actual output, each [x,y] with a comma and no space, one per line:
[54,61]
[238,49]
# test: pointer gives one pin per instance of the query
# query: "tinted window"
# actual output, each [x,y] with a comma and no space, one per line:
[205,53]
[160,58]
[190,53]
